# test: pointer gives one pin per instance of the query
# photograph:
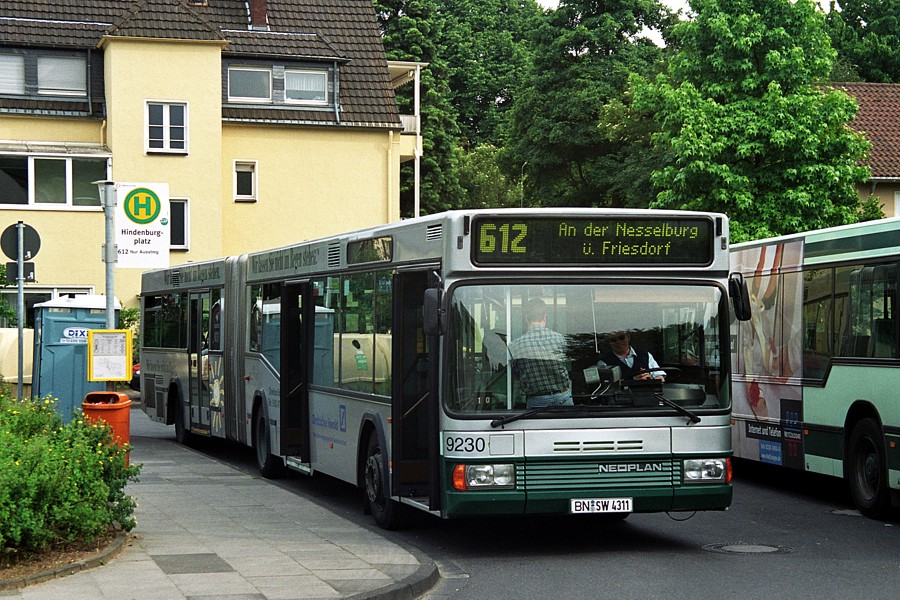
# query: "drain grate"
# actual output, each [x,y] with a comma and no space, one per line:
[745,548]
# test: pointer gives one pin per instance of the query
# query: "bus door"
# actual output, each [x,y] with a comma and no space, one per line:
[199,361]
[414,408]
[295,340]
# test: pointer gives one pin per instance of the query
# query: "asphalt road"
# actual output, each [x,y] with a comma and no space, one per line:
[787,535]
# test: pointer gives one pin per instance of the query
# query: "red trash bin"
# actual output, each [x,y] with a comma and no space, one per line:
[114,408]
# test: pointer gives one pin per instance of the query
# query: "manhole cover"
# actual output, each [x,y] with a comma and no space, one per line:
[744,548]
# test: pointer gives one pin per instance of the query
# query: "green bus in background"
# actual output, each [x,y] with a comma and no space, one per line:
[816,371]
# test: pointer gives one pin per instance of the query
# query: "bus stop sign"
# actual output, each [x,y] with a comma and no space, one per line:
[31,242]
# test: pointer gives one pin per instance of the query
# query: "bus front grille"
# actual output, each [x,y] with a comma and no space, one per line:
[596,475]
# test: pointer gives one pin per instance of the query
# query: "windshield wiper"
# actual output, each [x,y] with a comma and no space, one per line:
[692,417]
[528,414]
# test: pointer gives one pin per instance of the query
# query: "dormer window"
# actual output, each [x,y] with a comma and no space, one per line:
[12,74]
[54,74]
[249,85]
[62,76]
[305,86]
[279,84]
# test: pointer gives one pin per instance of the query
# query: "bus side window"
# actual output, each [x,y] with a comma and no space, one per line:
[882,343]
[818,344]
[869,332]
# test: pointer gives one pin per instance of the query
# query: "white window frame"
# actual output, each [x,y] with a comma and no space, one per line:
[251,99]
[318,72]
[68,204]
[166,126]
[75,86]
[245,166]
[12,74]
[187,224]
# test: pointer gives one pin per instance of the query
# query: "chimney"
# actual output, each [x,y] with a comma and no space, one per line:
[258,17]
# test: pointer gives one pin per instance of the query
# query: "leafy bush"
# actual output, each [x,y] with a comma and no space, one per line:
[58,483]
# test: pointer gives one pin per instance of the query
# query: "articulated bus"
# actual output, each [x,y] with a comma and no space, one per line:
[816,368]
[381,357]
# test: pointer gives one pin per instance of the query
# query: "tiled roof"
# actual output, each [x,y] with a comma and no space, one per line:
[342,31]
[879,119]
[294,45]
[169,19]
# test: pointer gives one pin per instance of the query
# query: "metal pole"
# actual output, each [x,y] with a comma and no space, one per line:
[20,302]
[109,256]
[108,198]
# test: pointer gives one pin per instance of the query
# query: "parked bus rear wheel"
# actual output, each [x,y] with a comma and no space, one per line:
[867,469]
[386,511]
[270,466]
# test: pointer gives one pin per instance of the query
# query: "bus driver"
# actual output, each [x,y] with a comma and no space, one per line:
[539,360]
[635,364]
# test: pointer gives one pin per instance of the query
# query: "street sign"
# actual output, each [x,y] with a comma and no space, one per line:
[12,272]
[31,242]
[142,225]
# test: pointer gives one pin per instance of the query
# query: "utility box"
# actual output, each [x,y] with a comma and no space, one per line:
[61,349]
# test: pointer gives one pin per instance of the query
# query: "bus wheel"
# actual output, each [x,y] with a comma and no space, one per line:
[867,469]
[270,466]
[385,510]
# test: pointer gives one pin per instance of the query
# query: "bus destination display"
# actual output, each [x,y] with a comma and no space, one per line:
[592,240]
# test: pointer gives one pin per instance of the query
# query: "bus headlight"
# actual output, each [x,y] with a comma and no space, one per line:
[467,477]
[707,470]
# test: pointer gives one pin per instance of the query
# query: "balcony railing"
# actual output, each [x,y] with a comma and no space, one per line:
[411,124]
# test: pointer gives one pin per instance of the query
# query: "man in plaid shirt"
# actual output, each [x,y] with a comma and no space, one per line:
[539,360]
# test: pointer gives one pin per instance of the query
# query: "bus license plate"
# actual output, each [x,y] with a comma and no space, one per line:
[600,505]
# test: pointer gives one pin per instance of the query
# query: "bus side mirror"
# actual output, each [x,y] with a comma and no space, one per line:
[434,313]
[740,297]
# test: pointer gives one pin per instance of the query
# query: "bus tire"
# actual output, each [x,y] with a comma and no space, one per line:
[182,433]
[270,466]
[378,501]
[867,469]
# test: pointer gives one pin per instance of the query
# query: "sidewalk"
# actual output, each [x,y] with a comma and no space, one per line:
[207,530]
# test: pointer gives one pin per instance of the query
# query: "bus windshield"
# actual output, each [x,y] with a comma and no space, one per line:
[520,347]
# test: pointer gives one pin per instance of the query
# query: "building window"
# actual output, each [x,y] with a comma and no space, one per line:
[178,224]
[35,294]
[12,74]
[62,75]
[245,181]
[51,181]
[249,85]
[306,87]
[167,127]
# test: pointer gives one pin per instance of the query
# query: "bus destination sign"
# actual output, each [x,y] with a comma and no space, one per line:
[611,240]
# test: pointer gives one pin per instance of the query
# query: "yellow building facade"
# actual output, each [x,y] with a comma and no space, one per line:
[265,135]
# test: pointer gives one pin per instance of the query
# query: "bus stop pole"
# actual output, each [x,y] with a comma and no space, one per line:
[20,301]
[108,197]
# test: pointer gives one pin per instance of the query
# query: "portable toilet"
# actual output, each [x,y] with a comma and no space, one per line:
[60,364]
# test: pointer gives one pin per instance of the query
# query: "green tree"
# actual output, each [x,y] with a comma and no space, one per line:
[584,53]
[866,36]
[485,184]
[488,54]
[751,130]
[413,30]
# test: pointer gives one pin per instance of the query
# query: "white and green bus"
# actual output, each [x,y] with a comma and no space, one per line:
[816,368]
[380,357]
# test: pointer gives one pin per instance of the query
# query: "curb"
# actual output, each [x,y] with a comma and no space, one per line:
[99,559]
[410,588]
